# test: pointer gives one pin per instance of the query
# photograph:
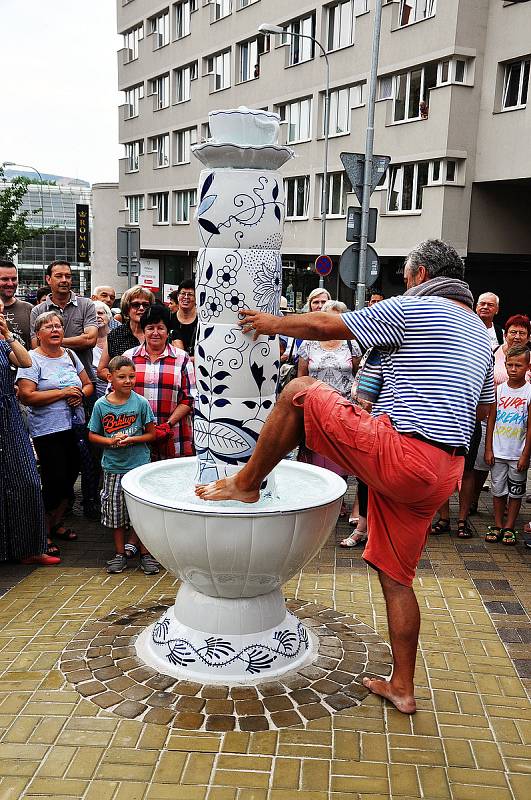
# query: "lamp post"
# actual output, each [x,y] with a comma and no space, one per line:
[267,28]
[27,166]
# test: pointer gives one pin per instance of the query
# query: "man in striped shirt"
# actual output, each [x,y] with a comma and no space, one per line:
[437,378]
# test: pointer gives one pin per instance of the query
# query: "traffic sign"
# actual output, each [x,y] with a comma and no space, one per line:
[349,266]
[354,164]
[323,265]
[354,224]
[128,252]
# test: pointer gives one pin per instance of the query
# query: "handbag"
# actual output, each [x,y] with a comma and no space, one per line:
[288,370]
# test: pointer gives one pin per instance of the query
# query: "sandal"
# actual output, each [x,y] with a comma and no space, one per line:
[353,521]
[508,536]
[52,550]
[354,540]
[494,534]
[441,526]
[464,531]
[67,535]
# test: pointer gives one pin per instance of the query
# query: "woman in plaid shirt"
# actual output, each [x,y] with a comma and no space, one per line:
[165,377]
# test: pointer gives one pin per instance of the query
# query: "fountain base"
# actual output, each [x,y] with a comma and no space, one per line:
[236,645]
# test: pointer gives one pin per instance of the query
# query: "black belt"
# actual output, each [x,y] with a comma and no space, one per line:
[447,448]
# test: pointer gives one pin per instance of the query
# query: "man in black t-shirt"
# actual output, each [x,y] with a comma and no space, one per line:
[184,321]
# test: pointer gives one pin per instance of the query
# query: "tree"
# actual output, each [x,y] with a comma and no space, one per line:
[14,230]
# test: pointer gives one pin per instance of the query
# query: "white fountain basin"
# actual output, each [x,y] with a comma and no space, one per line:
[229,622]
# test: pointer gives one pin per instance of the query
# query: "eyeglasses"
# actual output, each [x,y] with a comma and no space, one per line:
[57,327]
[140,304]
[187,294]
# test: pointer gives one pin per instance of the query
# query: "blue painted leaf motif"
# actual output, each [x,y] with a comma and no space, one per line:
[221,402]
[250,403]
[206,203]
[209,226]
[202,297]
[209,271]
[220,376]
[208,332]
[216,648]
[207,184]
[275,191]
[223,438]
[220,389]
[203,371]
[278,215]
[200,351]
[267,403]
[160,631]
[259,659]
[258,374]
[204,385]
[203,398]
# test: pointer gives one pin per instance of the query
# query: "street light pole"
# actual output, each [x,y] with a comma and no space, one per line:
[27,166]
[266,28]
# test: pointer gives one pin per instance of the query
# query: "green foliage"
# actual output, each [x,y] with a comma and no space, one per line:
[14,229]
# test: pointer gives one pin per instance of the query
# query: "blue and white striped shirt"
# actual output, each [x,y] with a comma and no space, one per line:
[436,363]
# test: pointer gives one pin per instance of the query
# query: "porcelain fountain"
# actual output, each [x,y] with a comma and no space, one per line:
[229,623]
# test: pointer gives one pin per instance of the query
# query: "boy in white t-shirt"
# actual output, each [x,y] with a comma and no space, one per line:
[508,445]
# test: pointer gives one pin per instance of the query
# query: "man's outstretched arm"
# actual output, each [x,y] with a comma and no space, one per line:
[315,326]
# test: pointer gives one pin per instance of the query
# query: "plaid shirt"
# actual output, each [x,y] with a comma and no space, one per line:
[166,383]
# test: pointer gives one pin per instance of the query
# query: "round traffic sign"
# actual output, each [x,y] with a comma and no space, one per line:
[323,265]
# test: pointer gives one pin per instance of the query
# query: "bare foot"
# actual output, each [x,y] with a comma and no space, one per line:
[226,489]
[404,703]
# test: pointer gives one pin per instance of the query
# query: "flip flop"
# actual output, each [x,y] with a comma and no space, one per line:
[68,535]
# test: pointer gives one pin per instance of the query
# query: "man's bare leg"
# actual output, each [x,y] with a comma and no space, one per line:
[404,622]
[283,430]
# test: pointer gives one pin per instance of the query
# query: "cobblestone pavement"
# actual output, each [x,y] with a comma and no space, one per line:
[470,738]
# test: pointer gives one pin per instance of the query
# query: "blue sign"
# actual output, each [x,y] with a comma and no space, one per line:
[323,265]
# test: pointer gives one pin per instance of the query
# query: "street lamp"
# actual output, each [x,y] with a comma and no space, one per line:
[267,28]
[27,166]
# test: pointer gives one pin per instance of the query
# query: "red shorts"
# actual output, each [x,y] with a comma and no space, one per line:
[408,479]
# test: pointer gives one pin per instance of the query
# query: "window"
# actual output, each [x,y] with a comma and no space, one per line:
[131,39]
[160,88]
[385,87]
[183,78]
[451,170]
[183,11]
[340,20]
[183,201]
[297,191]
[222,8]
[183,142]
[339,112]
[134,204]
[415,10]
[515,85]
[248,61]
[411,93]
[133,150]
[219,67]
[338,187]
[406,185]
[451,70]
[159,27]
[132,100]
[160,145]
[298,115]
[300,49]
[160,202]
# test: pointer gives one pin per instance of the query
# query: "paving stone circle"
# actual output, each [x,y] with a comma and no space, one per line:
[102,664]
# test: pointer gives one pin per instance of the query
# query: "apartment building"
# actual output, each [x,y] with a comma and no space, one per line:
[452,112]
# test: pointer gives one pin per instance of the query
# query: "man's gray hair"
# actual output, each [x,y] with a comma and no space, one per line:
[45,317]
[490,294]
[438,258]
[335,305]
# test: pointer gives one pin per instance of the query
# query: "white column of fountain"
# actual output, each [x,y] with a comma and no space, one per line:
[229,623]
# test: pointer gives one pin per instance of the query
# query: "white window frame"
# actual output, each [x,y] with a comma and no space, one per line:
[300,50]
[185,199]
[523,81]
[342,16]
[182,17]
[132,99]
[159,28]
[184,140]
[160,202]
[219,66]
[396,83]
[291,191]
[131,40]
[133,151]
[160,88]
[221,9]
[396,178]
[183,82]
[340,107]
[134,204]
[248,59]
[419,10]
[341,180]
[298,115]
[452,71]
[386,87]
[160,146]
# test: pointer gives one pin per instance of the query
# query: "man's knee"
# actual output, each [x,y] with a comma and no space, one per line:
[389,585]
[296,386]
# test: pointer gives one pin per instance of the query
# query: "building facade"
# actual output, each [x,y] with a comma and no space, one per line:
[452,112]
